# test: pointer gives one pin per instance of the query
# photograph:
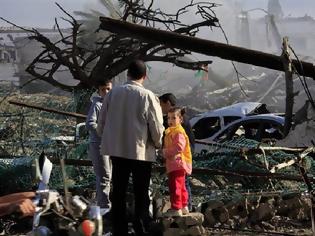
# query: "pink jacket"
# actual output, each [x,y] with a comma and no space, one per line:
[177,150]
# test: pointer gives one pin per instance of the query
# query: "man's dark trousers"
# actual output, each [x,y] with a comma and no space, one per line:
[141,174]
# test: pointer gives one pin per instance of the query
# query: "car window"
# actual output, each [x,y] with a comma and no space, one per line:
[227,134]
[252,130]
[206,127]
[248,129]
[271,130]
[259,130]
[229,119]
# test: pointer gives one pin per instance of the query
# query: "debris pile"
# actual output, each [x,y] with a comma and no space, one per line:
[240,184]
[271,92]
[188,225]
[302,135]
[258,211]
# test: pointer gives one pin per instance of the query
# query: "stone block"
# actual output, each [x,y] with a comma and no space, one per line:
[166,204]
[212,204]
[174,232]
[268,226]
[221,214]
[196,230]
[209,218]
[263,212]
[194,218]
[166,222]
[180,222]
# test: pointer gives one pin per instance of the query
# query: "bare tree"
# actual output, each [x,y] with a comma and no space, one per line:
[110,54]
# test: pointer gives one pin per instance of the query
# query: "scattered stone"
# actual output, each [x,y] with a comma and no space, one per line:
[210,220]
[166,204]
[173,232]
[230,223]
[197,183]
[166,222]
[196,230]
[194,218]
[221,214]
[267,225]
[190,224]
[213,204]
[263,212]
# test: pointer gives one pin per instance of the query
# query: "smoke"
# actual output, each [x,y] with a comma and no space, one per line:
[241,26]
[299,29]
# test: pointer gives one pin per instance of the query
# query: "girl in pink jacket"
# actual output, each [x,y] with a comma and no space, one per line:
[178,162]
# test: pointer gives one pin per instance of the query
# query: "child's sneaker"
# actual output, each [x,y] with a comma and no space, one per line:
[173,213]
[185,210]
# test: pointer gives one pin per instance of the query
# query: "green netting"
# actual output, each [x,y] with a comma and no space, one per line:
[229,156]
[10,169]
[25,133]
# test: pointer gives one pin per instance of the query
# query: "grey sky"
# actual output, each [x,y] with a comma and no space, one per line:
[41,13]
[290,7]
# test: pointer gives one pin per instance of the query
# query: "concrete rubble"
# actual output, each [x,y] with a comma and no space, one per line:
[261,213]
[188,225]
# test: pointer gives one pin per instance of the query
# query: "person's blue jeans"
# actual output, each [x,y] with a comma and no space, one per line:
[187,184]
[103,170]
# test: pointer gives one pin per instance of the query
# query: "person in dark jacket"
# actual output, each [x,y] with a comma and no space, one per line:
[168,101]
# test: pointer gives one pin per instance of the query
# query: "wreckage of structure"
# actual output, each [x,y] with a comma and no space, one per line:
[239,185]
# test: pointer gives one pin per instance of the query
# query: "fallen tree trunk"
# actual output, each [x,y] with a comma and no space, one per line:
[203,171]
[51,110]
[207,47]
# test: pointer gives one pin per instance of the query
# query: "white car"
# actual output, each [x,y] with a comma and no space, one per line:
[211,126]
[261,128]
[257,127]
[207,124]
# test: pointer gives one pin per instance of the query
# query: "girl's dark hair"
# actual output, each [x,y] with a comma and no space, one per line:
[178,110]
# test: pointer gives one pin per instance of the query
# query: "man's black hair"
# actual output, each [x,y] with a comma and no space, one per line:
[137,69]
[168,97]
[104,82]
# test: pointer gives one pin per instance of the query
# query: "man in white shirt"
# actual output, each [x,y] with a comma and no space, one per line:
[131,125]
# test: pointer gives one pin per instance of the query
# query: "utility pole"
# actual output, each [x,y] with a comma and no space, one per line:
[206,47]
[289,101]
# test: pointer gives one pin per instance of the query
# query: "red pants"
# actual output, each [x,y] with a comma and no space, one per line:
[178,192]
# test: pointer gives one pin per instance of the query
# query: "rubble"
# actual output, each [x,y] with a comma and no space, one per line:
[303,134]
[188,225]
[202,98]
[264,212]
[225,201]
